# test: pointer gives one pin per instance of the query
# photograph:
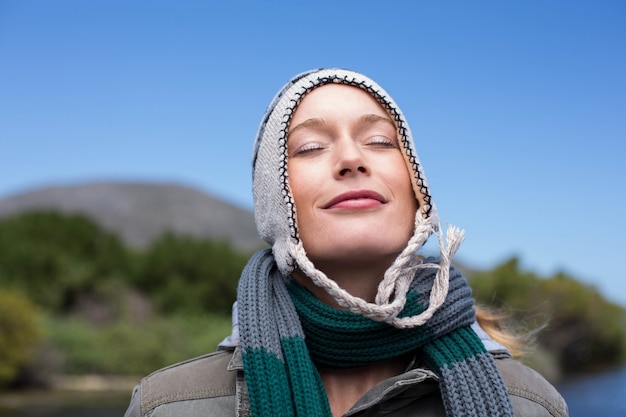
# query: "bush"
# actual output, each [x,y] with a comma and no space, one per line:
[54,257]
[584,330]
[191,276]
[20,334]
[124,348]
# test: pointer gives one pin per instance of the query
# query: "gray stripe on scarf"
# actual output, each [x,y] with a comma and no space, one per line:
[262,295]
[456,311]
[456,382]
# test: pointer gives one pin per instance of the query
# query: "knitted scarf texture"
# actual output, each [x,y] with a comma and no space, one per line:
[275,314]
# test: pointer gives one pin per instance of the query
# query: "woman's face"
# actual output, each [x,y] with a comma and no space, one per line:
[352,191]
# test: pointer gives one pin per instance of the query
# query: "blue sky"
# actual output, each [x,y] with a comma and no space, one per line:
[518,108]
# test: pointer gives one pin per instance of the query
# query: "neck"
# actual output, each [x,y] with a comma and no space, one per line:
[360,280]
[344,387]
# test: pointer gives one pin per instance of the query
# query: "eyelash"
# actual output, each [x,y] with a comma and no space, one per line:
[382,141]
[375,141]
[308,148]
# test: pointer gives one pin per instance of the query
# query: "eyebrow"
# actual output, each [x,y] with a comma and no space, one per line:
[366,118]
[374,118]
[310,123]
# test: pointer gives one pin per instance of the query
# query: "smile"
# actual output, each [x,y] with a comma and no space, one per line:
[356,200]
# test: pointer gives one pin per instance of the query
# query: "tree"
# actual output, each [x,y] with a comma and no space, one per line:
[55,257]
[20,334]
[184,274]
[583,329]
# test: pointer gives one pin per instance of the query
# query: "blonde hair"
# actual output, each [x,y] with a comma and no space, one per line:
[499,327]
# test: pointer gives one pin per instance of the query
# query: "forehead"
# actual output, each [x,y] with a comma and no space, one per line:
[337,101]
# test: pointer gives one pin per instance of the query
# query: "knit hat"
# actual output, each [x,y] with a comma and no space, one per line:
[275,211]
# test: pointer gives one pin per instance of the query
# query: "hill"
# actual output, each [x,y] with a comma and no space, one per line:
[140,212]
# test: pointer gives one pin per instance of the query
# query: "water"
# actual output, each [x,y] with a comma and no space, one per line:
[64,404]
[597,395]
[93,411]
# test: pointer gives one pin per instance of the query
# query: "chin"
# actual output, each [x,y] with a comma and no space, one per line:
[361,242]
[374,252]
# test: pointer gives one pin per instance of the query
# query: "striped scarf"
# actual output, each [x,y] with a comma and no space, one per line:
[275,313]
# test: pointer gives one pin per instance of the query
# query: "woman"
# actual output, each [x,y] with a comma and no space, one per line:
[341,316]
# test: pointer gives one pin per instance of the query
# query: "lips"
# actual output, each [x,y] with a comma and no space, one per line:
[356,199]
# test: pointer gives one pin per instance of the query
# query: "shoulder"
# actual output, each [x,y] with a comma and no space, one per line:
[204,376]
[206,381]
[530,393]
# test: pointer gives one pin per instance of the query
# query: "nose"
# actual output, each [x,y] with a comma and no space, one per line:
[350,159]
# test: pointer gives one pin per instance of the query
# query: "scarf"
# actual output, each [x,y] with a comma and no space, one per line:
[275,314]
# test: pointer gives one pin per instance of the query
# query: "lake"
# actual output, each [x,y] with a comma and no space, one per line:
[599,395]
[64,404]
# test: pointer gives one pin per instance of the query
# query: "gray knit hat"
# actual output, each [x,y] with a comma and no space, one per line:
[275,212]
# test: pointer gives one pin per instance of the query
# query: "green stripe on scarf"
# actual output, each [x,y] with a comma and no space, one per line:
[272,399]
[342,339]
[268,371]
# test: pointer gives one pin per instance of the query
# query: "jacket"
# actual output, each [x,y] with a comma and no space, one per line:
[213,385]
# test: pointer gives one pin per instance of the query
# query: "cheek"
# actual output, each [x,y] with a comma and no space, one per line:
[303,181]
[409,220]
[407,198]
[297,191]
[301,186]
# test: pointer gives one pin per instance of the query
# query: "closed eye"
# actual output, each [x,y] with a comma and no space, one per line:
[382,142]
[307,148]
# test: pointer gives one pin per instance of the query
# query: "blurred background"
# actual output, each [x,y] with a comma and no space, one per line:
[126,133]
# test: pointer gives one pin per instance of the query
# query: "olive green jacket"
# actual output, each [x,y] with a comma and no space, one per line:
[213,385]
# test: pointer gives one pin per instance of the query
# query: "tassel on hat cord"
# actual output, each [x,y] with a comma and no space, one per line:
[439,291]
